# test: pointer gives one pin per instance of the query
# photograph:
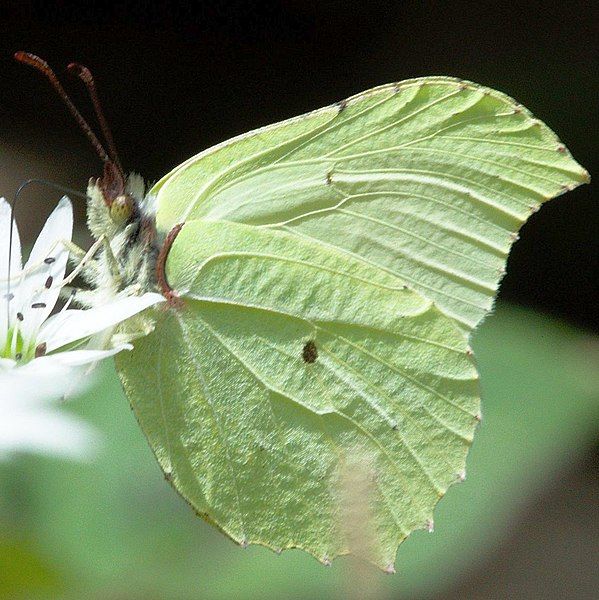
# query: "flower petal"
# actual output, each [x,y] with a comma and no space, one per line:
[46,431]
[45,268]
[29,422]
[45,382]
[15,266]
[74,324]
[74,358]
[6,364]
[58,226]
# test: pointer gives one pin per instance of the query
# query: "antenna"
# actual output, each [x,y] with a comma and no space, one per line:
[42,66]
[85,75]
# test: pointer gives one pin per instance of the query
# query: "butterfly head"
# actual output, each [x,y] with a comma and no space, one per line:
[122,206]
[119,209]
[113,201]
[122,209]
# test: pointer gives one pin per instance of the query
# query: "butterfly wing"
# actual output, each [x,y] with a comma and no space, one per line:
[315,390]
[429,179]
[290,371]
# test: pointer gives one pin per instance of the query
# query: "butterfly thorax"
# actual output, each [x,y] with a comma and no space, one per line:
[125,264]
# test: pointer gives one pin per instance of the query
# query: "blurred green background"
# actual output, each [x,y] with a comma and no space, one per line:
[115,529]
[178,78]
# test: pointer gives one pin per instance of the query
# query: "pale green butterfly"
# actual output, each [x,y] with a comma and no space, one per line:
[310,384]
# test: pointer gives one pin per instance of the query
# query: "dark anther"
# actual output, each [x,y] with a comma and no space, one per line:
[341,105]
[20,316]
[9,297]
[40,350]
[49,260]
[18,356]
[48,283]
[38,305]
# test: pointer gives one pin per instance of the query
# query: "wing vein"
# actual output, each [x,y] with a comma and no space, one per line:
[397,123]
[198,369]
[401,372]
[441,247]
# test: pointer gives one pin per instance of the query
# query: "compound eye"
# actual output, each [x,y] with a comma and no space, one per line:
[122,209]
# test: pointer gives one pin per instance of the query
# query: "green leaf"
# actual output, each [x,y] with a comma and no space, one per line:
[315,390]
[25,574]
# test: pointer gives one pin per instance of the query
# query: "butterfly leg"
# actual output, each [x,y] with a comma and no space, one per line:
[112,262]
[171,295]
[73,248]
[85,258]
[88,266]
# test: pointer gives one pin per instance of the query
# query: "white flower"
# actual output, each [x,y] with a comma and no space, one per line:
[31,339]
[39,352]
[29,422]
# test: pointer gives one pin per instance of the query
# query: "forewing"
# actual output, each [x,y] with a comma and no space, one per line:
[301,397]
[428,180]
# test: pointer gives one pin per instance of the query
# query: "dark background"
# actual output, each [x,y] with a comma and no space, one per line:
[176,80]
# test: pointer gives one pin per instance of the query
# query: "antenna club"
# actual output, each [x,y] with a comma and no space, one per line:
[80,71]
[85,75]
[42,66]
[32,60]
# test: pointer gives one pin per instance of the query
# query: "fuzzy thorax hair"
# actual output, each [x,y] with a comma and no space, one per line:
[125,264]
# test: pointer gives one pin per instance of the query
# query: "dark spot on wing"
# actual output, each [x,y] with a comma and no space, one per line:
[309,353]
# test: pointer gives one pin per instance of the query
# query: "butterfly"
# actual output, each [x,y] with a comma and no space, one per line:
[311,376]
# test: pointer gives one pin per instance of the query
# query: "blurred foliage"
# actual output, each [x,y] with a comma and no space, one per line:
[115,529]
